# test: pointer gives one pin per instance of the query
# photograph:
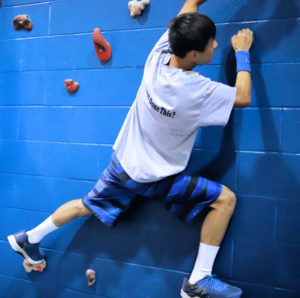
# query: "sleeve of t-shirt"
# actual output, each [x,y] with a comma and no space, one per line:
[216,104]
[163,43]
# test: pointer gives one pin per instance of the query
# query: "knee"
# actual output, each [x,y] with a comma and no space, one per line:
[82,210]
[231,201]
[226,201]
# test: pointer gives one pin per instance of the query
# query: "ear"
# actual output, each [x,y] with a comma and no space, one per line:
[192,55]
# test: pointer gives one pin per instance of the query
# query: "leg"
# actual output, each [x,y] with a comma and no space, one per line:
[217,220]
[213,229]
[63,215]
[27,243]
[69,211]
[196,193]
[212,234]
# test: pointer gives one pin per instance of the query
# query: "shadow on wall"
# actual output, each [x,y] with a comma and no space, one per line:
[145,14]
[226,157]
[144,235]
[277,175]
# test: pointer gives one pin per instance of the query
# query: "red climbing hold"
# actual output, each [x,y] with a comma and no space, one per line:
[71,86]
[102,47]
[22,22]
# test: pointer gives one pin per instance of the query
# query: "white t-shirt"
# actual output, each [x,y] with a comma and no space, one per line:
[157,137]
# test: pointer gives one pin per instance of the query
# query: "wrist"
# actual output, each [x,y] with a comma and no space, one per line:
[242,60]
[241,49]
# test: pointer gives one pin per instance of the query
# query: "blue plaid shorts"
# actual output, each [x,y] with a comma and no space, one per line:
[183,194]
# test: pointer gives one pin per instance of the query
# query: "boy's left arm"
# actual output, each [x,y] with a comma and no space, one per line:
[191,6]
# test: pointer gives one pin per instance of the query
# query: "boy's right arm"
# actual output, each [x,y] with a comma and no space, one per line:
[191,6]
[242,42]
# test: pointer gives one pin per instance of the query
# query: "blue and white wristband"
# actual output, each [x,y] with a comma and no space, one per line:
[242,61]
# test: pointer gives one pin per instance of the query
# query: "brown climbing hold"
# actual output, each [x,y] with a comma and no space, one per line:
[102,47]
[71,86]
[91,276]
[22,22]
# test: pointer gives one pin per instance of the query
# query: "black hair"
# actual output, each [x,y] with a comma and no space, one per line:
[190,31]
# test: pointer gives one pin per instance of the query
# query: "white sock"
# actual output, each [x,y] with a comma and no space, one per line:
[204,262]
[37,234]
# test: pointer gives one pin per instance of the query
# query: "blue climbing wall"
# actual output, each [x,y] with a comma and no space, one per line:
[53,147]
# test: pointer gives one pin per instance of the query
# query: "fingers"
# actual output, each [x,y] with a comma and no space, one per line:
[242,40]
[245,31]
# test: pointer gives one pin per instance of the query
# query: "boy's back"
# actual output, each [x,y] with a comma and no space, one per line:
[158,134]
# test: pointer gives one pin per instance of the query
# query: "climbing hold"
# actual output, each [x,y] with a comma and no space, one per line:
[102,47]
[22,22]
[136,7]
[91,276]
[71,86]
[35,267]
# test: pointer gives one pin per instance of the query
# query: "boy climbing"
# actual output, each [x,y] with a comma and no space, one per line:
[155,143]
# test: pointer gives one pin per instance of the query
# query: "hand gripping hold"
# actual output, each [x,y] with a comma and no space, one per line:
[22,22]
[71,86]
[102,47]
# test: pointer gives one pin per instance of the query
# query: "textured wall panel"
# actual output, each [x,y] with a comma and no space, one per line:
[55,145]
